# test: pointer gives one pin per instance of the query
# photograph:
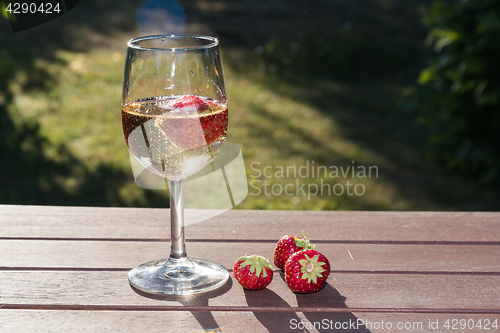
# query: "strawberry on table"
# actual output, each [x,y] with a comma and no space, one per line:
[306,271]
[286,246]
[253,272]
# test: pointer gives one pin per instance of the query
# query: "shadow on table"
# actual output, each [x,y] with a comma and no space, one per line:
[329,297]
[273,321]
[320,321]
[204,318]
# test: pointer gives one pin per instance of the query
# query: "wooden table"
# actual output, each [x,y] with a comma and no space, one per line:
[64,269]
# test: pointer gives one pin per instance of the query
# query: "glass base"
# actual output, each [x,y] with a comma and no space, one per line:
[178,277]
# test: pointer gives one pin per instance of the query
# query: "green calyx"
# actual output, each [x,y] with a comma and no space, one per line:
[311,269]
[257,264]
[303,243]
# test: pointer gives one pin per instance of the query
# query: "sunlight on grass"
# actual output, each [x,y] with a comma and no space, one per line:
[83,109]
[317,90]
[276,130]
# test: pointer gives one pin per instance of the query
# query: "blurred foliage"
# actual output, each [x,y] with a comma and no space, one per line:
[458,96]
[4,11]
[35,170]
[310,81]
[39,163]
[343,53]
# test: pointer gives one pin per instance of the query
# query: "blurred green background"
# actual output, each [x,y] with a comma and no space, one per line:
[341,83]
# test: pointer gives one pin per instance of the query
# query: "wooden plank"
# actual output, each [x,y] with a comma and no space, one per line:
[109,321]
[353,257]
[360,291]
[382,261]
[243,322]
[92,222]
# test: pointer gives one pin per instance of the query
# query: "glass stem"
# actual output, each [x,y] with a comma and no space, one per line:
[177,246]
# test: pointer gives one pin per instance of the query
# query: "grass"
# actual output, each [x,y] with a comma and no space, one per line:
[287,110]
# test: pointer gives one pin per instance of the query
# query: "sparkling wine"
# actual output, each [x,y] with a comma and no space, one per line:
[174,138]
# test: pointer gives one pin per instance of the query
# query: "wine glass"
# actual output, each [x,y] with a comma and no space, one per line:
[174,117]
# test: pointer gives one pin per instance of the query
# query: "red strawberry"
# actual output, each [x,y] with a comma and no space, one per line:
[190,102]
[194,132]
[286,246]
[253,272]
[306,271]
